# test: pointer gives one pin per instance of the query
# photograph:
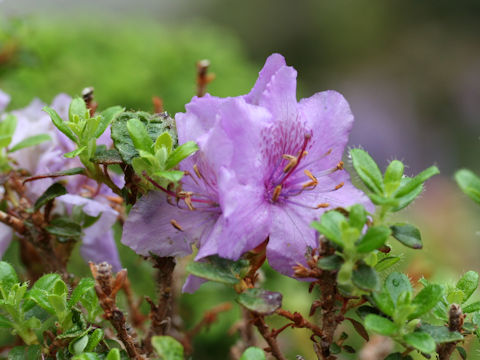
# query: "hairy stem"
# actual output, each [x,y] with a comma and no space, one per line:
[455,323]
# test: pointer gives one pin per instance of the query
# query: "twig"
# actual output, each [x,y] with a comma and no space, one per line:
[208,318]
[300,322]
[270,337]
[160,314]
[455,323]
[203,78]
[13,222]
[107,287]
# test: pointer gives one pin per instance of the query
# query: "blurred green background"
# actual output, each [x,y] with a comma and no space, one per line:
[410,71]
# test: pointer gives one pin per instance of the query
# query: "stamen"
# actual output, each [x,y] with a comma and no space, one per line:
[322,206]
[114,199]
[188,173]
[339,185]
[276,192]
[176,225]
[292,169]
[312,183]
[340,166]
[197,172]
[292,162]
[187,197]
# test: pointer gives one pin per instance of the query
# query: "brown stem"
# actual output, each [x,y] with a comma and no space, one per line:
[106,287]
[203,78]
[455,323]
[160,314]
[12,221]
[259,322]
[300,322]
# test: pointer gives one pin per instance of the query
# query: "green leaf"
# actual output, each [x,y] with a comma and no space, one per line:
[83,286]
[113,354]
[260,301]
[468,283]
[441,334]
[33,352]
[53,191]
[138,133]
[357,216]
[393,175]
[330,226]
[107,117]
[4,322]
[358,326]
[384,302]
[380,325]
[469,183]
[386,263]
[368,170]
[180,153]
[398,356]
[475,306]
[106,157]
[462,352]
[408,235]
[94,339]
[30,141]
[60,124]
[170,175]
[365,278]
[426,299]
[77,108]
[219,270]
[412,184]
[85,356]
[75,152]
[167,348]
[373,239]
[253,353]
[164,140]
[155,125]
[403,201]
[76,347]
[396,284]
[332,263]
[421,341]
[65,228]
[7,129]
[8,276]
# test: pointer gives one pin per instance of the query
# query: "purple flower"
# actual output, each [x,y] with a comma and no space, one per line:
[267,167]
[98,243]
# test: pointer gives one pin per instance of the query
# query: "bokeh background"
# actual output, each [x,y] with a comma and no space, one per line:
[409,69]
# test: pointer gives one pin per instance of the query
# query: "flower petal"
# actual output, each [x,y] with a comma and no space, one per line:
[245,215]
[290,237]
[328,116]
[6,234]
[149,226]
[273,63]
[280,95]
[98,244]
[244,125]
[192,284]
[200,116]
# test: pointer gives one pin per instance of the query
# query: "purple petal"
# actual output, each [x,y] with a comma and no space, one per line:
[245,125]
[200,116]
[280,95]
[149,226]
[4,100]
[290,236]
[328,115]
[6,234]
[272,65]
[99,235]
[246,214]
[192,284]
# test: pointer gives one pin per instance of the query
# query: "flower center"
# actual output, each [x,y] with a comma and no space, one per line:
[287,183]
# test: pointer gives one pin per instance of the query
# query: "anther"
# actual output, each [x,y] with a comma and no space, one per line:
[197,172]
[176,225]
[187,197]
[292,162]
[339,185]
[322,206]
[340,165]
[312,183]
[276,192]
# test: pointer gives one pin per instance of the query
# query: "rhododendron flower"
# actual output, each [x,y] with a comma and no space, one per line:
[267,167]
[98,243]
